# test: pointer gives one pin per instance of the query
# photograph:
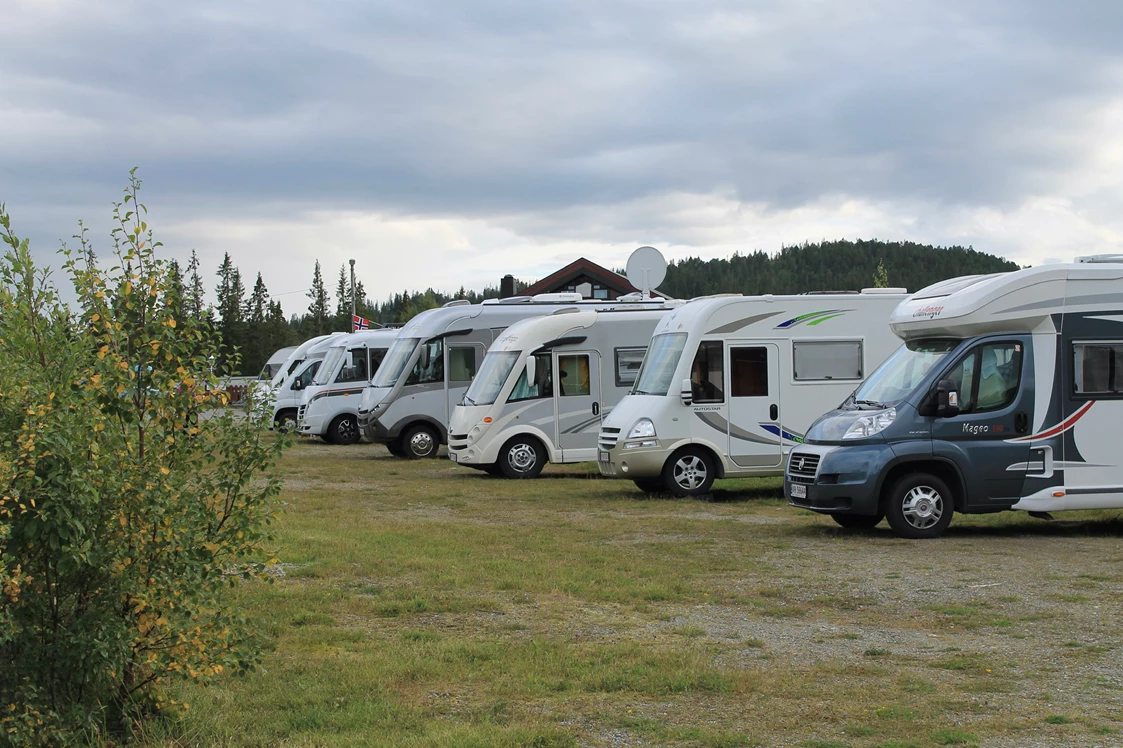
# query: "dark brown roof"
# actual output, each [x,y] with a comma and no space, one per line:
[576,269]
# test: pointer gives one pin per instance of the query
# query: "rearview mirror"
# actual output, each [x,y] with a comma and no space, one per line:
[531,368]
[947,399]
[297,385]
[426,358]
[687,393]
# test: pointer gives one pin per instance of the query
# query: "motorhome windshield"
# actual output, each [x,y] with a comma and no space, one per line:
[902,372]
[658,368]
[489,380]
[331,362]
[396,359]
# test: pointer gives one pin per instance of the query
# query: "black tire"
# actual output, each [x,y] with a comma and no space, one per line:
[420,442]
[858,521]
[650,485]
[522,457]
[689,473]
[919,506]
[395,448]
[492,469]
[343,430]
[285,421]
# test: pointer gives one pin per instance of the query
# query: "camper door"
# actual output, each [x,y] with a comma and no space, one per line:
[755,428]
[463,359]
[578,407]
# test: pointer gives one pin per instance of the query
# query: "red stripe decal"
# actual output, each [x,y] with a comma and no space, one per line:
[1061,427]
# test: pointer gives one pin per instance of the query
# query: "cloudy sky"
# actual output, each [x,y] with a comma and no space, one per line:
[449,143]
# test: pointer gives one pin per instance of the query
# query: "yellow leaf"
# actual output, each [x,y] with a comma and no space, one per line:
[171,323]
[104,350]
[164,470]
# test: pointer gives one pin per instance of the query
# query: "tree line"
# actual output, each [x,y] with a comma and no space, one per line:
[255,326]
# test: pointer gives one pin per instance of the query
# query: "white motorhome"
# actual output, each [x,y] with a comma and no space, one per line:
[730,383]
[1007,394]
[436,356]
[275,363]
[329,406]
[297,373]
[544,387]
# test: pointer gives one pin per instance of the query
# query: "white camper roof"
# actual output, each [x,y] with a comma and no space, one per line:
[535,331]
[502,313]
[1017,301]
[281,355]
[367,337]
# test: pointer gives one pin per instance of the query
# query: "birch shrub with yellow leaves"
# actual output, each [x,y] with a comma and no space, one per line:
[131,497]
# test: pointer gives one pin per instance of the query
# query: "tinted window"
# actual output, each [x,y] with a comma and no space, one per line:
[357,370]
[541,386]
[1098,368]
[823,359]
[628,361]
[461,363]
[431,370]
[987,378]
[748,372]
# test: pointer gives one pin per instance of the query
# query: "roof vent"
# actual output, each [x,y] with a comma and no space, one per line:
[884,290]
[457,302]
[1101,258]
[562,296]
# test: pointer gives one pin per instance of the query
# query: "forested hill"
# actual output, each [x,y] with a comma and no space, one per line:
[827,266]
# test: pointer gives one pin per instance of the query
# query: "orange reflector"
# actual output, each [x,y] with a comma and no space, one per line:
[1058,494]
[487,419]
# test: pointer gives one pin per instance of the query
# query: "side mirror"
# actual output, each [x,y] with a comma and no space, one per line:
[947,399]
[687,393]
[297,385]
[426,358]
[531,368]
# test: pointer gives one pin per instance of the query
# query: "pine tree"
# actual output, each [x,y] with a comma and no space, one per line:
[231,320]
[318,309]
[194,296]
[258,345]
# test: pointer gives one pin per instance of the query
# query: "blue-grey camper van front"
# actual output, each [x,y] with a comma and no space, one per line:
[830,479]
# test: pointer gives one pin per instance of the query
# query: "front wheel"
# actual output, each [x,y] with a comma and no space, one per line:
[858,521]
[522,457]
[343,430]
[919,506]
[421,441]
[395,448]
[689,473]
[285,421]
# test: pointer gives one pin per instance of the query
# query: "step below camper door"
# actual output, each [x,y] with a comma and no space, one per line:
[755,431]
[578,404]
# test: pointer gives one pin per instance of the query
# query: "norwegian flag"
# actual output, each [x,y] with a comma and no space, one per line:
[359,323]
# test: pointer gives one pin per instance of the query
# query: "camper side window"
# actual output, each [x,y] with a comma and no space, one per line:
[707,373]
[1098,368]
[748,372]
[431,370]
[826,359]
[541,386]
[987,378]
[628,361]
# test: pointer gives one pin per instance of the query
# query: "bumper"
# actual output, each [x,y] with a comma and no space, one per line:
[461,453]
[642,462]
[372,428]
[845,481]
[312,424]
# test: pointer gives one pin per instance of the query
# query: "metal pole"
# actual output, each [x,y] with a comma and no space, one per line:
[352,295]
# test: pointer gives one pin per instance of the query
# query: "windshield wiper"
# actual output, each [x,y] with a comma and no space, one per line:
[469,401]
[874,403]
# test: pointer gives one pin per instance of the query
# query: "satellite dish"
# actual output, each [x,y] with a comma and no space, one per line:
[646,269]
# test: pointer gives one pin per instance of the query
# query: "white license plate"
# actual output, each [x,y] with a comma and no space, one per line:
[603,456]
[799,491]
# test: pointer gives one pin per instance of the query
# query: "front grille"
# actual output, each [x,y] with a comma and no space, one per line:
[457,437]
[608,438]
[802,467]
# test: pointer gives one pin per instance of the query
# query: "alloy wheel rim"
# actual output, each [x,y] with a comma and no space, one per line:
[522,457]
[346,429]
[922,507]
[690,472]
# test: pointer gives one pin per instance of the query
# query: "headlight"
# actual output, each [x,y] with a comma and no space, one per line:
[870,424]
[643,428]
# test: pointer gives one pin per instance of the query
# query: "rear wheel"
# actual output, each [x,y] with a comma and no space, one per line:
[421,441]
[650,485]
[344,429]
[522,457]
[919,506]
[858,521]
[690,472]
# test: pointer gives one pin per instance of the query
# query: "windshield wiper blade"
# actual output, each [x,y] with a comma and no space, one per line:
[875,403]
[469,401]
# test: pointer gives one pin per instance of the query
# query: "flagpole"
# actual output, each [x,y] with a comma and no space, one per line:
[352,295]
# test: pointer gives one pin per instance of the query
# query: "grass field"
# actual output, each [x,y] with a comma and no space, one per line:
[423,604]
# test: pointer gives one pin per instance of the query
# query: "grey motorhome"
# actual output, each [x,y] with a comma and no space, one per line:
[730,383]
[544,387]
[1007,394]
[435,357]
